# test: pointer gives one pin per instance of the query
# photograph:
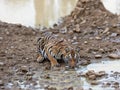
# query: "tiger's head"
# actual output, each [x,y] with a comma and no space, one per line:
[71,57]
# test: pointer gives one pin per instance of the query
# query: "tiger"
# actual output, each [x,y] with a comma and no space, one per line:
[54,49]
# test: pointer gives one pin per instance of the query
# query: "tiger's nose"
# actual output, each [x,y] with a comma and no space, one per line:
[72,63]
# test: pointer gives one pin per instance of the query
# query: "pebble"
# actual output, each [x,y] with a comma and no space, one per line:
[1,63]
[92,77]
[94,83]
[113,34]
[90,72]
[114,56]
[116,85]
[24,69]
[7,33]
[98,38]
[1,38]
[98,56]
[29,73]
[70,88]
[74,37]
[63,30]
[85,42]
[101,73]
[1,83]
[106,30]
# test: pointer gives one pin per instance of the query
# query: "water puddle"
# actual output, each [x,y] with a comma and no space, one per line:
[35,12]
[112,5]
[63,79]
[109,81]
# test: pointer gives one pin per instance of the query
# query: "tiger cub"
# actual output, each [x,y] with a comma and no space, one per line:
[55,49]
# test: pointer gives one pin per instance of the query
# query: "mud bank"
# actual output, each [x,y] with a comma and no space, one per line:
[89,28]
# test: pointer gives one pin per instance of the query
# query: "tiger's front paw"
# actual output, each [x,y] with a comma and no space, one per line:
[40,59]
[55,64]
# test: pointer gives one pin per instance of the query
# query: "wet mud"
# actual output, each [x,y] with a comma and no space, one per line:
[89,27]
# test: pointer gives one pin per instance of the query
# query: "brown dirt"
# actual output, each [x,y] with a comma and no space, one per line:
[89,28]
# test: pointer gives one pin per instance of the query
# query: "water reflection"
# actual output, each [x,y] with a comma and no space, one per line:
[112,5]
[50,10]
[35,12]
[17,11]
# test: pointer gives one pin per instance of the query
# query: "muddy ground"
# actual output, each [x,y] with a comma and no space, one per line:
[89,27]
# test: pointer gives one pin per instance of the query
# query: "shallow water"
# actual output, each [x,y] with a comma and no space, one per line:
[35,12]
[109,66]
[112,5]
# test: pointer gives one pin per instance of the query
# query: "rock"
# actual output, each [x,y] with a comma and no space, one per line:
[24,69]
[114,56]
[1,83]
[28,78]
[101,50]
[74,37]
[98,38]
[84,62]
[106,30]
[1,38]
[63,30]
[94,83]
[90,72]
[101,73]
[92,77]
[47,76]
[1,63]
[29,73]
[113,34]
[85,42]
[116,85]
[98,56]
[70,88]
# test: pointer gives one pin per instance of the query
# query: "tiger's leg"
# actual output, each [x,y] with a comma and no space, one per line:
[40,58]
[53,61]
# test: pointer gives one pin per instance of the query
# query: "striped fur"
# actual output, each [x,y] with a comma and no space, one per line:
[53,49]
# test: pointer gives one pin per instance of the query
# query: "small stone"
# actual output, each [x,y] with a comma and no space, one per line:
[12,47]
[63,30]
[70,88]
[106,30]
[29,73]
[98,56]
[116,85]
[24,69]
[47,76]
[70,32]
[1,38]
[85,42]
[74,37]
[7,33]
[98,38]
[113,34]
[94,83]
[90,72]
[101,50]
[28,77]
[77,29]
[92,77]
[114,56]
[1,83]
[1,63]
[101,73]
